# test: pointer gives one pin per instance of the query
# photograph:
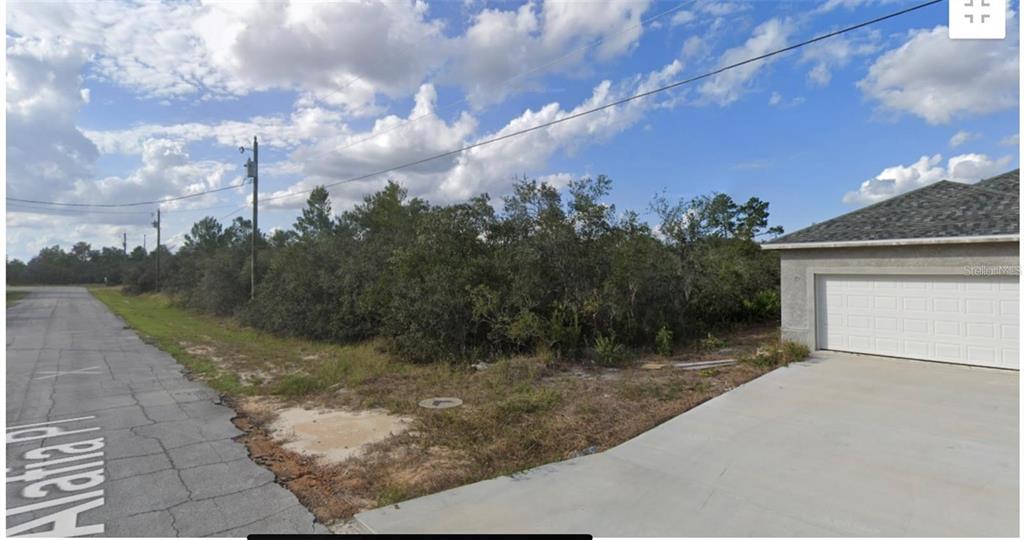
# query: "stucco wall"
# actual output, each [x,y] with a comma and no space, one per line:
[799,267]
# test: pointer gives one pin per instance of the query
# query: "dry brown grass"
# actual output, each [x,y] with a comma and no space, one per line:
[519,413]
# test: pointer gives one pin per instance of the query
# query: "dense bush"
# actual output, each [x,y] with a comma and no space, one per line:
[535,273]
[81,264]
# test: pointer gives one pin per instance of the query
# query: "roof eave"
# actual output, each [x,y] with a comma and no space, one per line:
[897,242]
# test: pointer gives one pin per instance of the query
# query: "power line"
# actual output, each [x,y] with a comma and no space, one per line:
[534,69]
[140,203]
[618,102]
[235,211]
[71,211]
[26,208]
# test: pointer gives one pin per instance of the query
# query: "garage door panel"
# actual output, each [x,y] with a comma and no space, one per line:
[948,352]
[917,326]
[981,330]
[979,307]
[947,328]
[887,324]
[886,303]
[918,349]
[985,356]
[946,305]
[1009,307]
[963,319]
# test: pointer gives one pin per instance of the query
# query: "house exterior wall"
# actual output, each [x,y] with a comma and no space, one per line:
[800,266]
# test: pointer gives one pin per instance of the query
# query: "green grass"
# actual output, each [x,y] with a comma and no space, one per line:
[218,349]
[14,296]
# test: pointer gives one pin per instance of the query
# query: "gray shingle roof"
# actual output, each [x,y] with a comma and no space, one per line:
[940,210]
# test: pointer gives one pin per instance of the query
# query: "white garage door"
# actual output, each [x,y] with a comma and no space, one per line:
[961,319]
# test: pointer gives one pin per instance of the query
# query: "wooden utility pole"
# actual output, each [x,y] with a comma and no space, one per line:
[255,174]
[124,242]
[157,225]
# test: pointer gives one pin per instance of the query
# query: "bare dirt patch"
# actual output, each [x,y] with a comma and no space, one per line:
[334,436]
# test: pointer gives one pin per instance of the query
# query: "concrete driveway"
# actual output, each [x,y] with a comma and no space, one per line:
[841,445]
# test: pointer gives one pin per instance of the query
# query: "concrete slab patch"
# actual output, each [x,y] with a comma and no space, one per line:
[334,435]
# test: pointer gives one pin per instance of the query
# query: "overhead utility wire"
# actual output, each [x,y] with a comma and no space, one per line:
[73,211]
[139,203]
[534,69]
[49,210]
[618,102]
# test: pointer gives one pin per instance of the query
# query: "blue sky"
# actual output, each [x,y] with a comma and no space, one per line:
[114,102]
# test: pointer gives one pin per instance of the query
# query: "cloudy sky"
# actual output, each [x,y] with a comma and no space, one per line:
[124,102]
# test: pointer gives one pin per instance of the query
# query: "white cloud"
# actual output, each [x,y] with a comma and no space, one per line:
[166,169]
[504,51]
[727,87]
[836,53]
[491,168]
[682,17]
[1011,140]
[322,49]
[776,100]
[45,150]
[693,46]
[960,137]
[848,4]
[302,125]
[939,79]
[926,170]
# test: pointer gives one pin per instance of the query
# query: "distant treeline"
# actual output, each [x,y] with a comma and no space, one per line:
[464,280]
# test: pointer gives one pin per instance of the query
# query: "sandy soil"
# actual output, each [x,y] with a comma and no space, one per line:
[334,436]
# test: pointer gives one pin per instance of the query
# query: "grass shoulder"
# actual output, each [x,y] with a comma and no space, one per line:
[14,296]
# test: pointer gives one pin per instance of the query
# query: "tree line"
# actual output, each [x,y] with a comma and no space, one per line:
[544,273]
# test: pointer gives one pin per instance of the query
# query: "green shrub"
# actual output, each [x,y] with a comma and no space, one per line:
[663,341]
[794,352]
[764,306]
[609,352]
[711,343]
[770,356]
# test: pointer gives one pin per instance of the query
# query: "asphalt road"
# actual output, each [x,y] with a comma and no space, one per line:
[106,436]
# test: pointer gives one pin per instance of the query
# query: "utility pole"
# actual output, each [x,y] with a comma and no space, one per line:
[157,225]
[124,242]
[144,249]
[252,167]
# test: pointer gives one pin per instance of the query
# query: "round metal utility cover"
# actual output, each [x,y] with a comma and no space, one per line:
[440,402]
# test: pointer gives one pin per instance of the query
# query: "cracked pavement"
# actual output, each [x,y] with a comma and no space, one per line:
[163,459]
